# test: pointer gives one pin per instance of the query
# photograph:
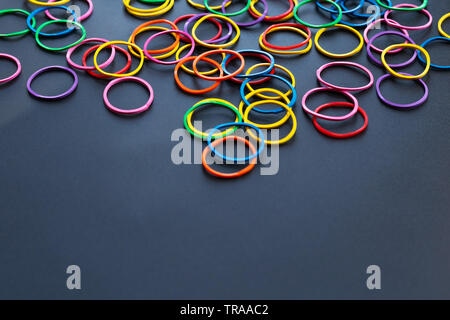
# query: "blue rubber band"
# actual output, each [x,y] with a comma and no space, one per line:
[35,12]
[423,45]
[232,124]
[346,10]
[252,75]
[363,15]
[291,103]
[363,24]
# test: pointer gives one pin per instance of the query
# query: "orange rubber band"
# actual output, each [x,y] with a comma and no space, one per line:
[219,51]
[200,91]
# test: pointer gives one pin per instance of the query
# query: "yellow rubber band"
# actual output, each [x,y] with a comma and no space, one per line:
[277,124]
[47,4]
[166,6]
[255,11]
[202,6]
[289,113]
[103,46]
[341,55]
[166,55]
[441,21]
[403,45]
[186,69]
[216,46]
[286,52]
[205,134]
[275,66]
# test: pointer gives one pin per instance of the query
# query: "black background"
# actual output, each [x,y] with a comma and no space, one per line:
[80,185]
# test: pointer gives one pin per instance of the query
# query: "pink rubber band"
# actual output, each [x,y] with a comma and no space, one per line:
[331,118]
[80,67]
[394,24]
[345,63]
[132,111]
[79,19]
[407,5]
[19,67]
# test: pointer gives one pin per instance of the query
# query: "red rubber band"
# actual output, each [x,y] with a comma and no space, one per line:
[275,18]
[295,46]
[102,76]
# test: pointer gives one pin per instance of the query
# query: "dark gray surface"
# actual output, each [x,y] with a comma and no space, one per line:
[80,185]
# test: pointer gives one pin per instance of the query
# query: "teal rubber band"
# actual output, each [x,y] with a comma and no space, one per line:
[336,21]
[77,24]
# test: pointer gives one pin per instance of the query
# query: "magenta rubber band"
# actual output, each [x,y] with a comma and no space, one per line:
[124,111]
[17,62]
[80,67]
[83,17]
[344,63]
[397,105]
[191,50]
[331,118]
[407,5]
[60,96]
[369,28]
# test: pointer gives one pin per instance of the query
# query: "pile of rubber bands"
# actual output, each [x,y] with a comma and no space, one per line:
[218,54]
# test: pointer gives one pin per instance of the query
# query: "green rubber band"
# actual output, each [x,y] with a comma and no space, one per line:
[18,33]
[339,17]
[228,14]
[422,6]
[202,103]
[59,21]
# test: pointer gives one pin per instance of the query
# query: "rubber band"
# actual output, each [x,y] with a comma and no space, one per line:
[405,5]
[203,135]
[162,56]
[290,113]
[58,34]
[142,27]
[191,50]
[237,174]
[407,45]
[287,52]
[331,118]
[222,78]
[80,67]
[362,24]
[340,55]
[370,27]
[82,18]
[441,22]
[345,63]
[201,6]
[365,15]
[279,94]
[47,4]
[192,91]
[234,124]
[422,6]
[346,11]
[124,111]
[16,73]
[282,17]
[216,46]
[398,65]
[340,135]
[423,45]
[163,8]
[220,39]
[60,96]
[276,27]
[138,68]
[224,13]
[42,26]
[18,33]
[336,21]
[250,52]
[188,16]
[102,76]
[291,102]
[276,66]
[397,105]
[187,70]
[257,19]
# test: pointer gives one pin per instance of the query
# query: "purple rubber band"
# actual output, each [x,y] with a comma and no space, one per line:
[187,35]
[80,67]
[373,23]
[344,63]
[331,118]
[397,105]
[372,57]
[15,74]
[133,111]
[252,23]
[198,16]
[60,96]
[407,5]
